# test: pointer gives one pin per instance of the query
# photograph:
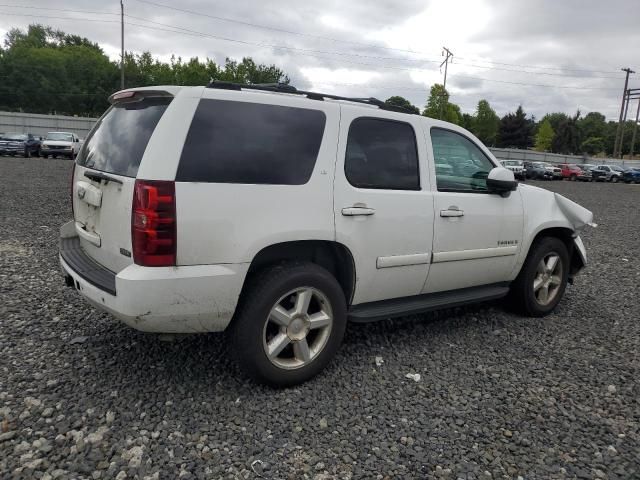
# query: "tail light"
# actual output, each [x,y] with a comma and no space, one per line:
[153,223]
[73,176]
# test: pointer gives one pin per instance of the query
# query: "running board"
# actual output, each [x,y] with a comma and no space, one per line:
[398,307]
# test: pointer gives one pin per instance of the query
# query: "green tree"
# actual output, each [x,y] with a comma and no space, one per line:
[544,137]
[486,123]
[515,130]
[592,145]
[438,106]
[593,124]
[469,122]
[555,119]
[567,137]
[43,70]
[401,102]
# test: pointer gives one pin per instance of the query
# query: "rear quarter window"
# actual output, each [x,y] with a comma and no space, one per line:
[251,143]
[118,141]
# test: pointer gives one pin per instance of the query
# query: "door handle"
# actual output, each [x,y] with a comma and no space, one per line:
[452,212]
[354,211]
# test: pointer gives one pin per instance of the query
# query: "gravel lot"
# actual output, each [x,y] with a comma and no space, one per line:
[82,396]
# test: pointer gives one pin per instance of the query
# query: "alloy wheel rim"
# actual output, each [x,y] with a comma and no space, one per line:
[297,328]
[548,279]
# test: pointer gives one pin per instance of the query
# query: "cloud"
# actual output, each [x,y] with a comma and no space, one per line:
[333,46]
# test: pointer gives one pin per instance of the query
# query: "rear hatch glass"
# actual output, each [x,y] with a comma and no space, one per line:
[104,178]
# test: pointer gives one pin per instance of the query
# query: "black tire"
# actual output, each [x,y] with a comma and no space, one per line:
[614,179]
[45,156]
[27,153]
[54,155]
[249,326]
[522,290]
[573,178]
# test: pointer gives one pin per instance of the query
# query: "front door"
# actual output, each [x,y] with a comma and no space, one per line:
[383,205]
[477,234]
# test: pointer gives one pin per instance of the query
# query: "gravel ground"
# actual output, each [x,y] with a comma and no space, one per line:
[83,396]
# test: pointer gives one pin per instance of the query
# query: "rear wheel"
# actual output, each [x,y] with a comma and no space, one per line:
[27,153]
[573,178]
[289,323]
[542,281]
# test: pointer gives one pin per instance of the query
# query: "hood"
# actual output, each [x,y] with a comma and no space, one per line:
[577,215]
[57,143]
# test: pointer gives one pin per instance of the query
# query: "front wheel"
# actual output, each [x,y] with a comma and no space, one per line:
[542,281]
[27,153]
[614,179]
[289,324]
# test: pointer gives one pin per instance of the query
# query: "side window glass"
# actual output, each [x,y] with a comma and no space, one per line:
[460,165]
[382,154]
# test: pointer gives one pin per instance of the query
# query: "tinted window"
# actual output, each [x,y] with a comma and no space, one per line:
[118,141]
[239,142]
[460,164]
[382,154]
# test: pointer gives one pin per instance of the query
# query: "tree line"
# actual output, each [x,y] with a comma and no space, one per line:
[555,132]
[43,70]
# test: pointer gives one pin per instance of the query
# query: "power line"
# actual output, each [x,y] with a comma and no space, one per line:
[321,37]
[276,29]
[100,12]
[59,18]
[292,32]
[301,51]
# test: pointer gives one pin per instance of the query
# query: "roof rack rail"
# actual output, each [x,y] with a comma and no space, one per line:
[286,88]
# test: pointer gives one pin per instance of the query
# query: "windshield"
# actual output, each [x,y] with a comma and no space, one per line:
[118,141]
[617,168]
[59,136]
[510,163]
[15,136]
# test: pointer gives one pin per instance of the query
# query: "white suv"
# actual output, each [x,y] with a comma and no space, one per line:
[278,214]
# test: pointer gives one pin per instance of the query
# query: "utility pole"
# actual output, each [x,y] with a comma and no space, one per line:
[624,122]
[446,64]
[122,45]
[616,146]
[635,130]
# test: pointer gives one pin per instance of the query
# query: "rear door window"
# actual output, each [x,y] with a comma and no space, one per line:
[251,143]
[118,141]
[382,154]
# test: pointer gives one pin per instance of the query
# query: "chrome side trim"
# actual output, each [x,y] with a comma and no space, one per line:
[403,260]
[474,254]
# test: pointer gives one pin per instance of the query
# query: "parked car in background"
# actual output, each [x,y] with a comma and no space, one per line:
[516,166]
[631,175]
[25,144]
[585,174]
[556,173]
[60,144]
[537,171]
[569,171]
[607,173]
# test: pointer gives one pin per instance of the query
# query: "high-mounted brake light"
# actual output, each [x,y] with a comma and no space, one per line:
[153,223]
[121,95]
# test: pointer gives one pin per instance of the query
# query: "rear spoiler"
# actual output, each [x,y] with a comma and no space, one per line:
[126,96]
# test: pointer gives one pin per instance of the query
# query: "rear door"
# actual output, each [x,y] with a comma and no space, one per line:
[382,202]
[105,174]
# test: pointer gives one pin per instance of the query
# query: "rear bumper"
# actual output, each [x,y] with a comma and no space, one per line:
[188,299]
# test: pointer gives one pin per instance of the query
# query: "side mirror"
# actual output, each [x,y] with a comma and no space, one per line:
[501,180]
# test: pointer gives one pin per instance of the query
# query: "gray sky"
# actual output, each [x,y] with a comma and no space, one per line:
[506,51]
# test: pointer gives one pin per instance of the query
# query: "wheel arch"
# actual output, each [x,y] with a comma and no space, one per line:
[567,235]
[333,256]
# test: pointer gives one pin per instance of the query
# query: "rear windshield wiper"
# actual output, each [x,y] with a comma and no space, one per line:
[98,176]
